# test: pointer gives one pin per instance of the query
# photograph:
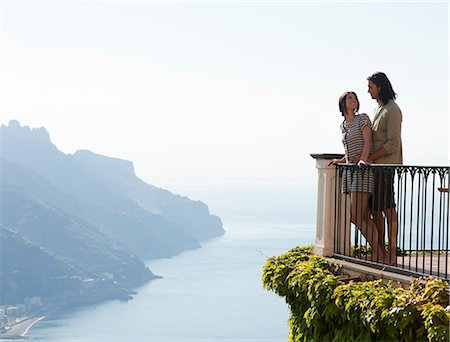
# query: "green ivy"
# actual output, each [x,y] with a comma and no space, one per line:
[324,307]
[361,251]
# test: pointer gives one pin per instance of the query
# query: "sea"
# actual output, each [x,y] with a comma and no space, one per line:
[211,294]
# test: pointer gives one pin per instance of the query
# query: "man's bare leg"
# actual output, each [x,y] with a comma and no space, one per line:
[392,223]
[378,218]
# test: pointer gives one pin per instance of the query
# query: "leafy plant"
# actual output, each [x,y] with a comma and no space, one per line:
[326,308]
[362,250]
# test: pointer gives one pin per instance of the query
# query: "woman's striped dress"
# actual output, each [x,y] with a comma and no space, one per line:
[357,179]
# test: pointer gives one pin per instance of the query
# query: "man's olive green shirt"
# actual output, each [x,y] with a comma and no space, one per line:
[387,129]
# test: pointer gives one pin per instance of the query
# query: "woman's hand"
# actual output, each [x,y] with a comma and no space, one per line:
[362,162]
[337,161]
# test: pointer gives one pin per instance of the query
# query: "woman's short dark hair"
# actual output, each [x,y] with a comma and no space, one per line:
[386,91]
[342,106]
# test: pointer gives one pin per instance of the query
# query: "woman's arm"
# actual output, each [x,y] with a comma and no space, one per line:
[338,161]
[367,135]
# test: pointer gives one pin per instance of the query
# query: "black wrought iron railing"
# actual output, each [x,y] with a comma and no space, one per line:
[394,217]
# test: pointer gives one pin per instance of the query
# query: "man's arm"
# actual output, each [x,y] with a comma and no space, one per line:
[381,152]
[394,129]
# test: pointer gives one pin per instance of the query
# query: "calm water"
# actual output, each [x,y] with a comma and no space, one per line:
[210,294]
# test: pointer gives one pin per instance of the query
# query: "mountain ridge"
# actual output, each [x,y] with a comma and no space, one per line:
[108,218]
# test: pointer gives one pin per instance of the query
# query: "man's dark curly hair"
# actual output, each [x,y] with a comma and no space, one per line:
[386,92]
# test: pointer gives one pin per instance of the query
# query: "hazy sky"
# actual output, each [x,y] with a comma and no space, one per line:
[202,91]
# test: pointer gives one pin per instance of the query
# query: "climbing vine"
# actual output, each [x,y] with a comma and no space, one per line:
[325,306]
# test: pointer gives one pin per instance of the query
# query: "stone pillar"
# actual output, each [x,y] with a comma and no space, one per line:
[327,211]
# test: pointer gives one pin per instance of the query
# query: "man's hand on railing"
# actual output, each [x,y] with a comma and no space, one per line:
[362,162]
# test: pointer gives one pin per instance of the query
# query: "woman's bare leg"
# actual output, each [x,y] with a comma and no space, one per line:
[361,218]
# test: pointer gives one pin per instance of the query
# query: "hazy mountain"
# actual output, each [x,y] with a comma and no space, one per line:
[28,269]
[120,199]
[91,210]
[68,236]
[119,174]
[141,232]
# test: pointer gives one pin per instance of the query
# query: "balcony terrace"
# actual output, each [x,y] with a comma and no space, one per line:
[422,218]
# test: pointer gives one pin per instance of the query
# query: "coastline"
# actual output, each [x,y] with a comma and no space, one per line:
[19,330]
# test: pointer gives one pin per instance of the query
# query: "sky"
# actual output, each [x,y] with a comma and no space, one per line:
[221,91]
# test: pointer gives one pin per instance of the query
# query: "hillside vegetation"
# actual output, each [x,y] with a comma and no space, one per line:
[326,307]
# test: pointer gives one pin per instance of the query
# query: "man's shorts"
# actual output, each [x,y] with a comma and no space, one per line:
[383,193]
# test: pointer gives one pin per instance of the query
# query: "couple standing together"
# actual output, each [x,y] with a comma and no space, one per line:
[371,192]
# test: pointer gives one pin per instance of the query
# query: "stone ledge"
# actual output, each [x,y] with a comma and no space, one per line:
[326,155]
[365,271]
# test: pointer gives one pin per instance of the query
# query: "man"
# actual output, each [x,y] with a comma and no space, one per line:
[387,144]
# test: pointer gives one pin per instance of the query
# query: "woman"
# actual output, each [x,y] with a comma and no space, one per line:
[358,183]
